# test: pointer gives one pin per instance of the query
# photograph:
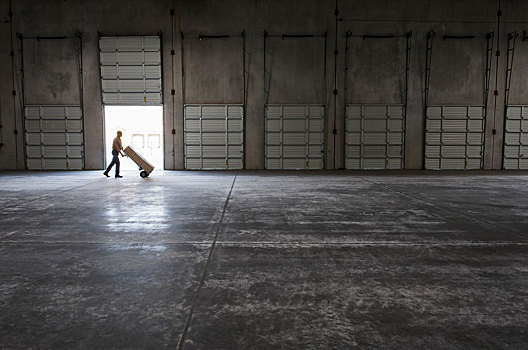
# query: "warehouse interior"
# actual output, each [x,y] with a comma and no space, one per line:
[329,174]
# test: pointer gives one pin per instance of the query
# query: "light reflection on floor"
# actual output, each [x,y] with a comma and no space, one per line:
[148,218]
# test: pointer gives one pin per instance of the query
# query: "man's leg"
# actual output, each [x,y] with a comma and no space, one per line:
[117,163]
[114,158]
[109,167]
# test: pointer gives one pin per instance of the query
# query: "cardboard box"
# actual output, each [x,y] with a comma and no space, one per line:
[138,159]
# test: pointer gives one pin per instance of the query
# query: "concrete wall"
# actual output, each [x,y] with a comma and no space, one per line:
[295,66]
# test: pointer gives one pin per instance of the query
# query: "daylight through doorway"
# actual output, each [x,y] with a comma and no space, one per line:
[142,128]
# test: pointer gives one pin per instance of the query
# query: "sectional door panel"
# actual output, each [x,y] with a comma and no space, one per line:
[375,136]
[294,136]
[454,137]
[54,137]
[516,138]
[131,70]
[214,137]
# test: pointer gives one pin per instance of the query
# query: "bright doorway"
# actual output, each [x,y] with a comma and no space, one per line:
[142,128]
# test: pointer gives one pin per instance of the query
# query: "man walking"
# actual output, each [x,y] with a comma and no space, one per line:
[117,147]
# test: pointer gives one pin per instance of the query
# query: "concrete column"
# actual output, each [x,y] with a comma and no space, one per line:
[254,147]
[12,151]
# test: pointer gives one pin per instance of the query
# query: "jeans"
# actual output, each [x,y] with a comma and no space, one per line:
[115,160]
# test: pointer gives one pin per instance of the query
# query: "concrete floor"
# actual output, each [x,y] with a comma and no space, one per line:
[264,260]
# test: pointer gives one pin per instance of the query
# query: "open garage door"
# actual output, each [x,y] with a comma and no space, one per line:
[131,70]
[51,71]
[214,100]
[515,150]
[455,133]
[294,123]
[375,131]
[132,94]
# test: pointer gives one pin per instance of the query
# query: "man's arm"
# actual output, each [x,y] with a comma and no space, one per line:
[121,148]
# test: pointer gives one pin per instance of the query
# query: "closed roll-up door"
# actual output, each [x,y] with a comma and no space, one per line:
[374,120]
[52,95]
[294,136]
[516,138]
[374,136]
[54,137]
[454,137]
[213,121]
[295,108]
[214,136]
[131,70]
